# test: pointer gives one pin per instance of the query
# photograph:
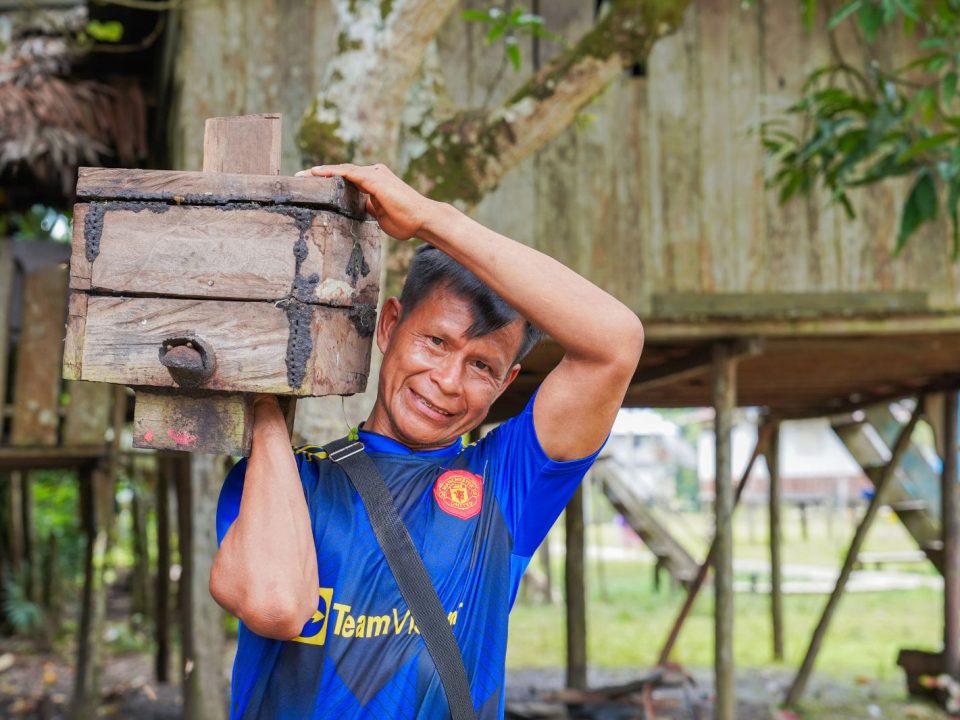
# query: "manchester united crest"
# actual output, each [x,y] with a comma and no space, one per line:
[459,493]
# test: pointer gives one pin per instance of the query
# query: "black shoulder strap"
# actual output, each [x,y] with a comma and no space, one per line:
[407,567]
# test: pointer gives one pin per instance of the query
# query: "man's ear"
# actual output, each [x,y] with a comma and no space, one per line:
[388,321]
[511,376]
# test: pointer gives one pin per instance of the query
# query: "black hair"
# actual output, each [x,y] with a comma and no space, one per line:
[431,269]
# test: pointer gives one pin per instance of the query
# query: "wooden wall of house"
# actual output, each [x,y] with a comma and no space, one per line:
[658,193]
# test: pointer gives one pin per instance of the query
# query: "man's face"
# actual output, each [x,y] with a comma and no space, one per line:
[435,382]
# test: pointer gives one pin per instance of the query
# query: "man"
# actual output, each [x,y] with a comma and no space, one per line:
[293,530]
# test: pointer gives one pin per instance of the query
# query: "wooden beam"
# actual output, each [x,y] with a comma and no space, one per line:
[806,668]
[575,584]
[246,252]
[786,305]
[202,188]
[950,528]
[776,587]
[695,363]
[724,403]
[694,590]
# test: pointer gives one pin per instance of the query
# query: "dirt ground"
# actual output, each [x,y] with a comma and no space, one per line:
[37,686]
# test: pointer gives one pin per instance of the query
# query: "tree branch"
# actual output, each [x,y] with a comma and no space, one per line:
[466,156]
[382,44]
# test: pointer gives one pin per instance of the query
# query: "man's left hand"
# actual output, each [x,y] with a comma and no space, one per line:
[400,210]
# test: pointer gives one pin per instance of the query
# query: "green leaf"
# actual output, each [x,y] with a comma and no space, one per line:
[494,33]
[948,86]
[925,145]
[871,20]
[844,12]
[107,32]
[920,207]
[476,16]
[513,53]
[809,15]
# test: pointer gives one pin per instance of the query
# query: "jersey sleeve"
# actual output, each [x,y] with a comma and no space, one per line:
[228,504]
[530,488]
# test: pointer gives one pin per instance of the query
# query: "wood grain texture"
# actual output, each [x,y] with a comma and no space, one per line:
[123,336]
[205,188]
[39,356]
[229,253]
[73,342]
[207,422]
[246,144]
[88,414]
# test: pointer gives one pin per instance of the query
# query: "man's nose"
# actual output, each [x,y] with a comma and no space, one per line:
[446,374]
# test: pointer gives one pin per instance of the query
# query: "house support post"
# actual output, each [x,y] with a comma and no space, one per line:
[776,578]
[950,524]
[806,668]
[724,403]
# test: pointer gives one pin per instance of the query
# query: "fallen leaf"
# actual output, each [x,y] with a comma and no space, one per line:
[6,662]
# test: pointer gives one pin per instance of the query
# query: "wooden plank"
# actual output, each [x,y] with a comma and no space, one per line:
[245,144]
[73,342]
[212,423]
[204,188]
[690,306]
[799,684]
[39,353]
[123,337]
[88,413]
[724,403]
[226,252]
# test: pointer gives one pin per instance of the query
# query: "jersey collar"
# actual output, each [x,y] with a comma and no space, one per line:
[383,444]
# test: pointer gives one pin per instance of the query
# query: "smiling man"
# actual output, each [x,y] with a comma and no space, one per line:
[325,632]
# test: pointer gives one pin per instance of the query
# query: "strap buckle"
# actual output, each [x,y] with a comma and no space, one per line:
[346,451]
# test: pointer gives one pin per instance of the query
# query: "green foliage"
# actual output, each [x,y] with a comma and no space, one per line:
[509,25]
[863,125]
[105,32]
[19,611]
[40,222]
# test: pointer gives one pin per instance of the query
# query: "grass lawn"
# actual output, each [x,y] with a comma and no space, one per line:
[628,621]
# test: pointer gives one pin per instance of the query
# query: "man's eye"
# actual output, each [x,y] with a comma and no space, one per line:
[480,365]
[435,340]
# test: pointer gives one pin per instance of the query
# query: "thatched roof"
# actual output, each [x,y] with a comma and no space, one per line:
[51,121]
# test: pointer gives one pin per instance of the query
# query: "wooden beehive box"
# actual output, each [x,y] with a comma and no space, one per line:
[201,289]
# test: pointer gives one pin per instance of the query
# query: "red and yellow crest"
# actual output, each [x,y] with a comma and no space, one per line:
[459,493]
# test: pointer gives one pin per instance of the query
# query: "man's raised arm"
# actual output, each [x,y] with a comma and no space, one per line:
[602,339]
[265,571]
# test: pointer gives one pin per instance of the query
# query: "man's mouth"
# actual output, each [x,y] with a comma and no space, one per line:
[430,405]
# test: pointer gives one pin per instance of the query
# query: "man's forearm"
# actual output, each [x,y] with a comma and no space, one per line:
[579,316]
[266,569]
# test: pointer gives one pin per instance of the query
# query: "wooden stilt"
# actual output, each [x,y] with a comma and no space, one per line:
[97,492]
[704,569]
[950,523]
[141,561]
[547,570]
[724,403]
[165,468]
[575,584]
[806,668]
[202,623]
[776,593]
[31,566]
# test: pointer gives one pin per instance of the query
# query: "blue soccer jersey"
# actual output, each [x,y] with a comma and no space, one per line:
[476,514]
